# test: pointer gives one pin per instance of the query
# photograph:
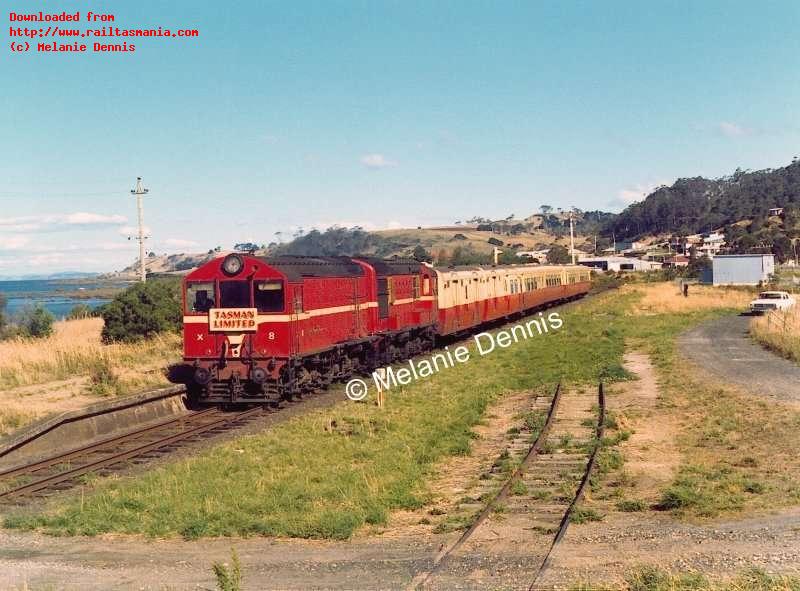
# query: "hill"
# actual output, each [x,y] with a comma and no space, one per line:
[462,243]
[693,205]
[467,243]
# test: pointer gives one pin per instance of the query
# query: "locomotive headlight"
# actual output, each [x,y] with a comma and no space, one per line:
[232,264]
[202,376]
[258,375]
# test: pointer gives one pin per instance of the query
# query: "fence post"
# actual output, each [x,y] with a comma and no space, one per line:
[381,371]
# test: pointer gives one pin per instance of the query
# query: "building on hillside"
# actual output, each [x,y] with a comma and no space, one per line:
[678,260]
[534,256]
[775,211]
[617,263]
[711,244]
[742,269]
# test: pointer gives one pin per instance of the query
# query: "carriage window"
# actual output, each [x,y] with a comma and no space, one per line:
[426,285]
[415,288]
[268,296]
[234,294]
[199,297]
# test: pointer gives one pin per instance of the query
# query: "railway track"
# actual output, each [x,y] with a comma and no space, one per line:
[61,470]
[535,503]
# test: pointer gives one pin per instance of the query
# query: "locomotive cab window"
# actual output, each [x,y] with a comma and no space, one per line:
[268,296]
[199,297]
[234,294]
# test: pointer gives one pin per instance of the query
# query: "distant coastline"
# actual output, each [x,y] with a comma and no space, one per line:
[58,296]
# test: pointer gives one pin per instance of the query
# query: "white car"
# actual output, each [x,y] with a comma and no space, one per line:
[772,300]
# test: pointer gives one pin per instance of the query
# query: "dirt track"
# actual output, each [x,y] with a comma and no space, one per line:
[723,348]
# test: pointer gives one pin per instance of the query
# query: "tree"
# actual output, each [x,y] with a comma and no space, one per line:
[545,209]
[558,255]
[36,322]
[3,319]
[143,310]
[421,255]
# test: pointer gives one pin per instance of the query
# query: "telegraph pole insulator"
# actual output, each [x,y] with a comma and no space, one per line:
[140,191]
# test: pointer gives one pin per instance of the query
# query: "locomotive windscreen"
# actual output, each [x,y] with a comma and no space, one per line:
[234,294]
[268,295]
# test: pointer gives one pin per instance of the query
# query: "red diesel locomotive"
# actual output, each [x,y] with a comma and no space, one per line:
[263,329]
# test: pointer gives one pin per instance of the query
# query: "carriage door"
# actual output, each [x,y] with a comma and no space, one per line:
[297,308]
[383,297]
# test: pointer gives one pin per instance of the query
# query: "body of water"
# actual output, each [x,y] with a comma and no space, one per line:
[50,294]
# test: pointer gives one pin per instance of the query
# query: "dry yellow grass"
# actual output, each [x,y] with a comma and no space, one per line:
[74,350]
[667,297]
[780,331]
[69,369]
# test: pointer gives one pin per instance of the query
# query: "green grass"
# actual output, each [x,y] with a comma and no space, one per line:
[584,515]
[228,577]
[730,441]
[653,578]
[518,488]
[631,505]
[304,479]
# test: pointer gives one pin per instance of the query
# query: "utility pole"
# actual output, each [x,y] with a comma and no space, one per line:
[571,238]
[140,191]
[496,253]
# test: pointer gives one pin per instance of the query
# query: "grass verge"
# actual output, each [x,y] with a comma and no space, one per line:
[75,350]
[327,473]
[779,331]
[652,578]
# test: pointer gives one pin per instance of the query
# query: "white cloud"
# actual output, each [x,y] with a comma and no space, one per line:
[376,161]
[638,192]
[631,194]
[122,245]
[731,130]
[83,218]
[179,243]
[133,231]
[13,242]
[49,223]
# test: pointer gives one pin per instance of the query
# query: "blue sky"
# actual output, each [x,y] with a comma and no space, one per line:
[288,115]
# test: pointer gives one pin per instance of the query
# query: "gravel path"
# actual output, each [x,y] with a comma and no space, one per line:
[603,551]
[723,348]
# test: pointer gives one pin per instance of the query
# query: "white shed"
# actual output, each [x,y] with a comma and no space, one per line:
[742,269]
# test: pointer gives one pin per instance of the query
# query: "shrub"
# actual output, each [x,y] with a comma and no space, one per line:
[36,322]
[103,381]
[584,515]
[79,312]
[228,578]
[143,310]
[3,319]
[631,505]
[683,493]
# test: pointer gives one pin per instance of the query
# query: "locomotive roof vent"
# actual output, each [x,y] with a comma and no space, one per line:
[232,264]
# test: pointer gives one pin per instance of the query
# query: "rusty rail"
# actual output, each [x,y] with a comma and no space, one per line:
[421,580]
[116,458]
